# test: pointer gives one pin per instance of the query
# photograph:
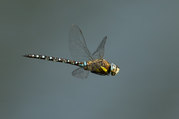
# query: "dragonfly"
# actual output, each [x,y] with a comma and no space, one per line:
[86,61]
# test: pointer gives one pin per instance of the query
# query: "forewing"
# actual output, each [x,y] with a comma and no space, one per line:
[99,53]
[80,73]
[77,45]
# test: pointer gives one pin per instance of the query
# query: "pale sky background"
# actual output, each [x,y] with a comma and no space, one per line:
[143,39]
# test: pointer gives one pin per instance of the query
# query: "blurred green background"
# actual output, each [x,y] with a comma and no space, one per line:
[143,39]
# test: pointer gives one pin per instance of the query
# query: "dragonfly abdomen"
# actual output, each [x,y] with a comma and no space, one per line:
[56,59]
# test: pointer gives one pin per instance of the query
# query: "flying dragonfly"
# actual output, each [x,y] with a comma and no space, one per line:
[86,61]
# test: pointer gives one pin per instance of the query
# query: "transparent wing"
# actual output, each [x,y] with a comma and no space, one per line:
[80,73]
[77,45]
[99,53]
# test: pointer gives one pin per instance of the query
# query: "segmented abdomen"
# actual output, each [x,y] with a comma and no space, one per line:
[56,59]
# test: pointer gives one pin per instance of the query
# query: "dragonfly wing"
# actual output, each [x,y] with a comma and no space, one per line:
[80,73]
[77,45]
[99,53]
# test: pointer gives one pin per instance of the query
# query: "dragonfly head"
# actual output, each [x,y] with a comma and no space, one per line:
[114,69]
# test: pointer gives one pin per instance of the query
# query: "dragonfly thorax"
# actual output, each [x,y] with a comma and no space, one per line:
[114,69]
[98,66]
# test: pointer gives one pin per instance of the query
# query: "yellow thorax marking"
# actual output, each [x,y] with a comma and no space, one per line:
[104,69]
[97,70]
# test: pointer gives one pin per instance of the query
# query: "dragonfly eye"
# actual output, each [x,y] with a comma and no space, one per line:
[114,69]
